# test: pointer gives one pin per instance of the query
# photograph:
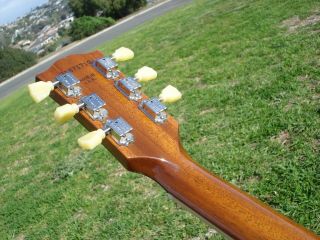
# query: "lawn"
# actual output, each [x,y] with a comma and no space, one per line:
[250,77]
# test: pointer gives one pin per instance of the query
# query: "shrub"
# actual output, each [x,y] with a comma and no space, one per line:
[85,26]
[122,8]
[13,61]
[108,8]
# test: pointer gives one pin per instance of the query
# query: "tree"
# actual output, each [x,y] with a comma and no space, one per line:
[87,25]
[3,41]
[84,7]
[13,61]
[122,8]
[109,8]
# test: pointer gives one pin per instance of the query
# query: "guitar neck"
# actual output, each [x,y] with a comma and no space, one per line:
[230,210]
[146,140]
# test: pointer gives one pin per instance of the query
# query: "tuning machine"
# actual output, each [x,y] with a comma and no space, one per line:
[107,66]
[66,82]
[92,105]
[119,129]
[154,107]
[130,86]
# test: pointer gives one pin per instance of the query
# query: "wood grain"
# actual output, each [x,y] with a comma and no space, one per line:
[158,154]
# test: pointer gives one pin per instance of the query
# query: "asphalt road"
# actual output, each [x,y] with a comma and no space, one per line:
[86,45]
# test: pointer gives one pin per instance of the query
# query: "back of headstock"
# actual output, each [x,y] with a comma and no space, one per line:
[145,141]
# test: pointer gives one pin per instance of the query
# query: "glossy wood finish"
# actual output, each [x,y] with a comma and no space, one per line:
[157,153]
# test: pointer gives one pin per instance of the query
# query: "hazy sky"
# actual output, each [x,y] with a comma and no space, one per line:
[11,9]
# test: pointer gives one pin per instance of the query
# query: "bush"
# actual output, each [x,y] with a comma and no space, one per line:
[13,61]
[85,26]
[121,8]
[108,8]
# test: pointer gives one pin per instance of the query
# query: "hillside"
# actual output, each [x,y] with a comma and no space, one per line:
[249,74]
[40,28]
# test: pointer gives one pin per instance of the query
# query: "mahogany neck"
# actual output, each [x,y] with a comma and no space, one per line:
[232,211]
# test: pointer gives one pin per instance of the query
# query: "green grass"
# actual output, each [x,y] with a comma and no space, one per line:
[250,113]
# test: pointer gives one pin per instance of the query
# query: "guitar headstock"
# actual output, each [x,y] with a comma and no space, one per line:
[135,128]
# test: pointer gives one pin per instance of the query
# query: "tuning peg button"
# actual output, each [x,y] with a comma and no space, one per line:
[66,82]
[92,105]
[40,90]
[123,54]
[170,94]
[119,130]
[146,74]
[65,112]
[92,139]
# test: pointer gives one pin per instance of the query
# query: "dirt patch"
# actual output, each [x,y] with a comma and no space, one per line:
[303,78]
[119,172]
[316,97]
[288,107]
[181,119]
[20,237]
[79,216]
[210,110]
[295,22]
[291,22]
[254,179]
[211,232]
[201,140]
[234,83]
[24,171]
[282,138]
[104,187]
[316,145]
[312,84]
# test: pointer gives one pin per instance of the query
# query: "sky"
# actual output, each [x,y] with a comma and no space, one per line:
[12,9]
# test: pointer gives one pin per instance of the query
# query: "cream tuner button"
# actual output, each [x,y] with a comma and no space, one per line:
[146,74]
[65,112]
[92,139]
[170,94]
[40,90]
[123,54]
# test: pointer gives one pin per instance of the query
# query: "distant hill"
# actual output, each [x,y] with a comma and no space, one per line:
[38,29]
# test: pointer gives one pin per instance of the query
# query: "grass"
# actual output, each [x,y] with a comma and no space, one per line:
[250,113]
